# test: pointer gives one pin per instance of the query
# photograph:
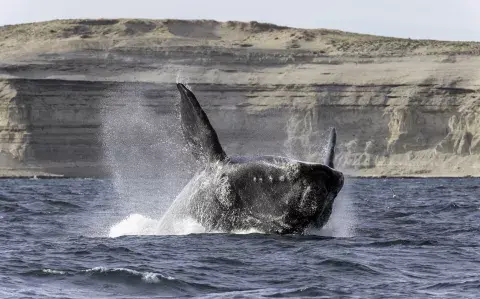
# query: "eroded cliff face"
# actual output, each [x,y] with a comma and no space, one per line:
[79,97]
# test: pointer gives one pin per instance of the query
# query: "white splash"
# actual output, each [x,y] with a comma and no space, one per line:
[148,277]
[138,225]
[342,221]
[146,157]
[247,231]
[52,271]
[134,224]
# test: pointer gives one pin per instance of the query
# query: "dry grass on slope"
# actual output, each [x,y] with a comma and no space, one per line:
[254,35]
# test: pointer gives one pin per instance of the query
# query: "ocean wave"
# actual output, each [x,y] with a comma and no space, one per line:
[114,273]
[148,277]
[349,266]
[302,292]
[54,272]
[404,242]
[45,272]
[466,284]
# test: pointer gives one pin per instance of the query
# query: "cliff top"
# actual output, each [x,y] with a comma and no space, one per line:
[110,34]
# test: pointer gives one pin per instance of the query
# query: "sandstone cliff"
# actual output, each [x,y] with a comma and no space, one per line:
[90,97]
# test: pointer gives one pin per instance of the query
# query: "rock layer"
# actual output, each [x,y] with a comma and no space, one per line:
[78,97]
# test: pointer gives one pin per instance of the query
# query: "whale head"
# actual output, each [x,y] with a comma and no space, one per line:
[281,195]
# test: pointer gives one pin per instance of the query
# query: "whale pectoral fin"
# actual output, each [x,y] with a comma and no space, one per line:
[197,129]
[331,148]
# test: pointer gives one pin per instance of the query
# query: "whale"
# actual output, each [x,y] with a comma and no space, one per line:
[271,194]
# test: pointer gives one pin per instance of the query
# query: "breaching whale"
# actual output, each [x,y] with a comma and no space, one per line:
[267,193]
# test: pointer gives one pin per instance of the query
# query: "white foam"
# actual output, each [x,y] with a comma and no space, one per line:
[188,226]
[138,225]
[134,224]
[247,231]
[148,277]
[51,271]
[97,269]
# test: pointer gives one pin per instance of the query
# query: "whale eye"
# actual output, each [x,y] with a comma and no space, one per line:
[254,178]
[260,180]
[270,178]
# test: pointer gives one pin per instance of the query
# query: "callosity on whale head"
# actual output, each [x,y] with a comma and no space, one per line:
[267,193]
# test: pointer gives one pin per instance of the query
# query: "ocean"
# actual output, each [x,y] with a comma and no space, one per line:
[387,238]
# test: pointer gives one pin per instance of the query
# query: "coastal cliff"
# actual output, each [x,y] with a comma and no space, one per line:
[78,96]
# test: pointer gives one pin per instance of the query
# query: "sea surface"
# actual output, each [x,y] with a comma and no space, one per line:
[388,238]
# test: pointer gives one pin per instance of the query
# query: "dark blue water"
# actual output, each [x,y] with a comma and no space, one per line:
[422,243]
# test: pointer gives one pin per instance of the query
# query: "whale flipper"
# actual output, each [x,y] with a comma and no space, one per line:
[331,148]
[197,129]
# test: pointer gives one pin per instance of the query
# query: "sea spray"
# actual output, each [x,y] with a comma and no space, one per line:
[138,225]
[144,153]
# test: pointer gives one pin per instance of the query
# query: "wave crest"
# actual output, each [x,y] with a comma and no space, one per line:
[148,277]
